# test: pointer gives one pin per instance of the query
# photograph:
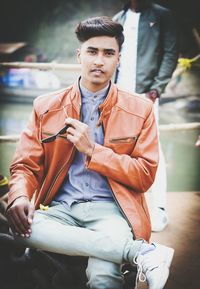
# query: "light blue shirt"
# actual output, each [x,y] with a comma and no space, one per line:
[82,184]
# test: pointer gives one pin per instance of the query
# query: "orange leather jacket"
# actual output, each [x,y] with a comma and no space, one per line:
[128,158]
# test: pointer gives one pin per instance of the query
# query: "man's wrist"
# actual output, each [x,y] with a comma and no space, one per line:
[20,198]
[90,151]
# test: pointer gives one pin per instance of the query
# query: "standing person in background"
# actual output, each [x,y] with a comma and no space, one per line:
[148,59]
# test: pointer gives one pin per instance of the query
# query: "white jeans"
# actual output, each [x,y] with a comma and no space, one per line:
[156,196]
[94,229]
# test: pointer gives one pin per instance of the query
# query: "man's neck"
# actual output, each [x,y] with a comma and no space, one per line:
[92,87]
[138,6]
[133,5]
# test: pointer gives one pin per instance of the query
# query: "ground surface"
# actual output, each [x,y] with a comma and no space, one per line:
[183,234]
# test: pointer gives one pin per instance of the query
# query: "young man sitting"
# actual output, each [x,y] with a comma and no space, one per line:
[88,155]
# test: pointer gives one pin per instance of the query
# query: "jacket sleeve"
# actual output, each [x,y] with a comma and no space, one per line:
[136,170]
[170,52]
[27,167]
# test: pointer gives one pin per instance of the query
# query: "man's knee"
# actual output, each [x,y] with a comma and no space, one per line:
[103,275]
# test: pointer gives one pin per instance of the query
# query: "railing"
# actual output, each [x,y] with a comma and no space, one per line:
[42,66]
[179,126]
[162,127]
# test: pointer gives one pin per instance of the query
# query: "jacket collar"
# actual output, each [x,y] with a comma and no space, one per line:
[75,100]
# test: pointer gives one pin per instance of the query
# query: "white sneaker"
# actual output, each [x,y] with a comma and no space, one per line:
[153,266]
[159,220]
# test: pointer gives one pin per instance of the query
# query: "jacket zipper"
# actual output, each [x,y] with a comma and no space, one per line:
[122,212]
[122,139]
[57,176]
[40,126]
[117,202]
[50,134]
[55,179]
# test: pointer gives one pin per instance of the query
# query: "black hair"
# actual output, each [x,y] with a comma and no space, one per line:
[99,26]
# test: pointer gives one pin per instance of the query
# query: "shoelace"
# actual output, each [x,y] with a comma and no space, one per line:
[140,277]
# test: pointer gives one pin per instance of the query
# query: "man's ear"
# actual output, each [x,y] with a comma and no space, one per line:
[119,58]
[78,55]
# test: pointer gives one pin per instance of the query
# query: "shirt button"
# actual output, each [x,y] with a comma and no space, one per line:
[92,118]
[95,96]
[87,185]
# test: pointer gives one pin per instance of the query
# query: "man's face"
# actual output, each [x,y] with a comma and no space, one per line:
[98,57]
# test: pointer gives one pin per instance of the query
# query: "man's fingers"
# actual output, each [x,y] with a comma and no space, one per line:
[75,135]
[23,216]
[30,214]
[15,224]
[72,121]
[72,139]
[12,229]
[20,216]
[78,133]
[78,125]
[12,222]
[20,221]
[71,130]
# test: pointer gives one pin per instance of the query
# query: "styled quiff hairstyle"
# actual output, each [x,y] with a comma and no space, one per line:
[100,26]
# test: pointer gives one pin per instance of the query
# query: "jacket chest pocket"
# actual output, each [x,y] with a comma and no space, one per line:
[53,136]
[122,145]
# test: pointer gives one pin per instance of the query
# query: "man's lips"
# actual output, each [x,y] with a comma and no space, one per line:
[97,71]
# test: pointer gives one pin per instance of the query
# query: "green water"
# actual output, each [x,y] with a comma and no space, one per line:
[182,157]
[13,119]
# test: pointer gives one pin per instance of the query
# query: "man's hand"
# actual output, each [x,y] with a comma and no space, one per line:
[20,216]
[78,133]
[152,94]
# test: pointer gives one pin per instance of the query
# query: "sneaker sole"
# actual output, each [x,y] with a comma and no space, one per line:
[169,256]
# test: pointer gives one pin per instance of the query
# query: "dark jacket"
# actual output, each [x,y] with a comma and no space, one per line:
[157,48]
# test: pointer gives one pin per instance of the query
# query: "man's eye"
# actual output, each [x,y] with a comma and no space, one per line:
[92,52]
[109,53]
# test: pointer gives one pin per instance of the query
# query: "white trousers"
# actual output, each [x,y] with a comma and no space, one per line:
[156,196]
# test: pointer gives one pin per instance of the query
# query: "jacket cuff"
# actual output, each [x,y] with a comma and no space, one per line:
[90,161]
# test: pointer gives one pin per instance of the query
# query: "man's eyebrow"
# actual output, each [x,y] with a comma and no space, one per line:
[110,50]
[92,48]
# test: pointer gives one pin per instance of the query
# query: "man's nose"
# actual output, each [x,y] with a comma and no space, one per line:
[99,60]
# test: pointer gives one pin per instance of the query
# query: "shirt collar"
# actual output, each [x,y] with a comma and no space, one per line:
[100,94]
